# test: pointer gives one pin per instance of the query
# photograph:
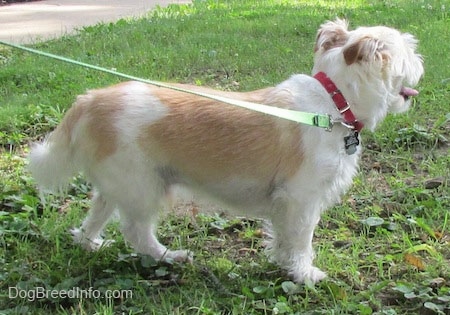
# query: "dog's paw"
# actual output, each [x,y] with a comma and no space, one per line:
[77,235]
[308,275]
[181,256]
[89,244]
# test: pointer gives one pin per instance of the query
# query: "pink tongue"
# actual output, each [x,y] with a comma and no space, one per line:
[408,91]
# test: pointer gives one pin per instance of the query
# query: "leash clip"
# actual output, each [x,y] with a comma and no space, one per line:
[323,121]
[342,122]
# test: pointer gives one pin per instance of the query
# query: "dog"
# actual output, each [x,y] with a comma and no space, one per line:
[136,142]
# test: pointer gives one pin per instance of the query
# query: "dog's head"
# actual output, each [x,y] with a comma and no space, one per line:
[369,63]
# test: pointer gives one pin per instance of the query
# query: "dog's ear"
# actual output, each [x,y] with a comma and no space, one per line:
[331,35]
[366,49]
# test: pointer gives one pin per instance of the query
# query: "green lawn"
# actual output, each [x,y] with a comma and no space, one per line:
[385,248]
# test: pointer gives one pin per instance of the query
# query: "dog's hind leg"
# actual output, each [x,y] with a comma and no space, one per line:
[139,218]
[88,235]
[142,235]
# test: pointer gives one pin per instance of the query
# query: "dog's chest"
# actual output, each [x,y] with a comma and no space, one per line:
[328,169]
[342,171]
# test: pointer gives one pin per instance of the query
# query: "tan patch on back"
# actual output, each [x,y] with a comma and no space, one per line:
[103,109]
[208,141]
[71,118]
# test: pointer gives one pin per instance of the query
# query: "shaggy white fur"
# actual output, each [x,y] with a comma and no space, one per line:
[135,142]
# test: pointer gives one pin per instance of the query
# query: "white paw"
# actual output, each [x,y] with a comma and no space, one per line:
[308,275]
[77,235]
[89,244]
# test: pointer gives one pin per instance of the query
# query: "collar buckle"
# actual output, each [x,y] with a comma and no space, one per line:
[344,109]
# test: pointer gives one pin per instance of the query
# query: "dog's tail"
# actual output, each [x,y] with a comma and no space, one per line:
[52,162]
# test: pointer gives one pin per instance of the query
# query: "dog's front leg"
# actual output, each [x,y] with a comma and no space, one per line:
[293,225]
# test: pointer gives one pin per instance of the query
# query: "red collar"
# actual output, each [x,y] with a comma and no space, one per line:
[339,100]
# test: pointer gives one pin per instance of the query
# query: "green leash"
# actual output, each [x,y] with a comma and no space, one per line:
[311,119]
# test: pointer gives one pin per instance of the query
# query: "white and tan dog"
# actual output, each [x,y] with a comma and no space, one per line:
[135,142]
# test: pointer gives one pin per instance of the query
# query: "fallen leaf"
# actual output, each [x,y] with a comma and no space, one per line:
[352,202]
[258,233]
[437,282]
[415,261]
[376,166]
[65,207]
[434,182]
[248,250]
[194,211]
[438,235]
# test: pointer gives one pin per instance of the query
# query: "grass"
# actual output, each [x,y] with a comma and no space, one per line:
[385,247]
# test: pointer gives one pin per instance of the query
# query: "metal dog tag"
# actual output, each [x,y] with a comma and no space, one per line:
[351,142]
